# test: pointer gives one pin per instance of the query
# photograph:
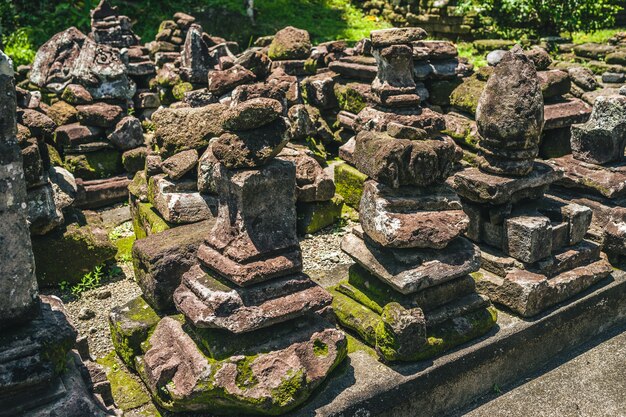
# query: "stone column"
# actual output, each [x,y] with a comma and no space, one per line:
[18,283]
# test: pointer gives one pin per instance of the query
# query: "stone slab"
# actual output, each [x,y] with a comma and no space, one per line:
[608,181]
[480,187]
[565,113]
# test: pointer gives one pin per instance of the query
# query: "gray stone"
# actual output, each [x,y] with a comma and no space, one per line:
[494,57]
[528,237]
[178,205]
[290,43]
[394,85]
[251,114]
[178,165]
[312,182]
[393,36]
[43,214]
[583,78]
[602,139]
[128,134]
[195,60]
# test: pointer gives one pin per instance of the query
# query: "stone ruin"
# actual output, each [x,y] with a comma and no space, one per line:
[252,337]
[533,248]
[594,175]
[410,294]
[39,372]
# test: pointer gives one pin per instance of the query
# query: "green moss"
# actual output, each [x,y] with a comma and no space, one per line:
[180,89]
[128,392]
[488,45]
[245,378]
[290,390]
[55,157]
[350,98]
[349,184]
[465,96]
[95,165]
[131,325]
[317,147]
[320,348]
[355,316]
[355,345]
[315,216]
[124,248]
[310,66]
[147,221]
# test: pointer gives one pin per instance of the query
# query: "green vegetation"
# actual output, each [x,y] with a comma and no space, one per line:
[89,281]
[326,20]
[517,18]
[598,36]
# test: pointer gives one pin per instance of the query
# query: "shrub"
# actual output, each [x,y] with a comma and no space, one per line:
[19,47]
[542,17]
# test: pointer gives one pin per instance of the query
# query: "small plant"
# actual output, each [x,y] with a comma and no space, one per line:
[19,47]
[89,281]
[64,286]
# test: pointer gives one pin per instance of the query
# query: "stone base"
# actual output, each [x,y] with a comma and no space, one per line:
[411,270]
[481,187]
[210,302]
[516,351]
[411,327]
[262,268]
[528,293]
[181,377]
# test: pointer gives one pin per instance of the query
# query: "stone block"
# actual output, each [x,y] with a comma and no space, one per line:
[528,237]
[315,216]
[349,184]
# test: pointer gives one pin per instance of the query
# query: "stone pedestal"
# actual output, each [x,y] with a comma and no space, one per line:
[534,252]
[409,294]
[36,338]
[251,337]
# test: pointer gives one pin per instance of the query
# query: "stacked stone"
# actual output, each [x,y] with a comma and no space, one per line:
[411,285]
[533,250]
[36,337]
[605,59]
[254,339]
[595,173]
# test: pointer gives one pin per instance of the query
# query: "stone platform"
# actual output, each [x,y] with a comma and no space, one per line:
[517,348]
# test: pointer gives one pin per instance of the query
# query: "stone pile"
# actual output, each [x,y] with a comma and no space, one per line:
[40,374]
[409,294]
[533,248]
[251,338]
[595,174]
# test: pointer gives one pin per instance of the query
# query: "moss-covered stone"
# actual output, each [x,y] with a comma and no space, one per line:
[55,157]
[131,324]
[355,317]
[95,165]
[146,220]
[465,96]
[315,216]
[127,390]
[488,45]
[134,160]
[349,184]
[124,248]
[179,90]
[70,252]
[350,97]
[440,91]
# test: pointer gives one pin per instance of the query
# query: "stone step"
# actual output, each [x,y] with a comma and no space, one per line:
[528,293]
[412,270]
[210,303]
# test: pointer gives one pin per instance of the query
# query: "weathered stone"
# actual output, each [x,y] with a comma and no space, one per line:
[187,128]
[294,371]
[43,214]
[55,60]
[33,165]
[99,114]
[290,43]
[510,115]
[101,70]
[94,194]
[387,37]
[160,260]
[76,94]
[62,113]
[602,139]
[312,182]
[250,242]
[39,124]
[434,50]
[195,60]
[64,187]
[554,83]
[377,120]
[529,293]
[398,162]
[251,114]
[349,184]
[540,58]
[98,164]
[593,50]
[179,202]
[528,237]
[412,270]
[465,97]
[211,303]
[221,82]
[18,285]
[583,78]
[565,113]
[128,134]
[72,135]
[609,182]
[315,216]
[481,187]
[394,85]
[251,148]
[411,217]
[255,61]
[55,253]
[178,165]
[131,324]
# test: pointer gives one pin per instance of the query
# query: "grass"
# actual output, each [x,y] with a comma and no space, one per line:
[466,50]
[599,36]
